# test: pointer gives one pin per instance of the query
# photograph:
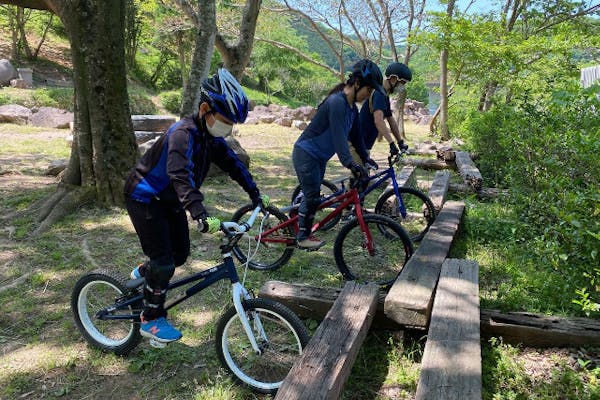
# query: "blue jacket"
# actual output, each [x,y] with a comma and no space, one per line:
[174,168]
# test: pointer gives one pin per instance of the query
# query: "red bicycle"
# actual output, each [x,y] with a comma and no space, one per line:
[368,248]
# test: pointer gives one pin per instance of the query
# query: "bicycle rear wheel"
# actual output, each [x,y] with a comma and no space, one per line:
[281,344]
[327,189]
[266,255]
[392,249]
[97,291]
[420,213]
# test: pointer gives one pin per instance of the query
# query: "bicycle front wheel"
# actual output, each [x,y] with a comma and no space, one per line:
[420,213]
[391,250]
[280,334]
[271,252]
[327,189]
[95,292]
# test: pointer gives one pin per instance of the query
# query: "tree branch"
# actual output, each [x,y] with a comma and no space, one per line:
[568,17]
[35,4]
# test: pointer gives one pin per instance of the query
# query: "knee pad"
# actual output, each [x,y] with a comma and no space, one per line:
[312,203]
[158,274]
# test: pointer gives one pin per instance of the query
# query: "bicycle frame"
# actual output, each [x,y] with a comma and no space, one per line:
[344,199]
[206,278]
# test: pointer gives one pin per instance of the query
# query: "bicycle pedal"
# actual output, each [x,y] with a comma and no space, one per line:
[156,344]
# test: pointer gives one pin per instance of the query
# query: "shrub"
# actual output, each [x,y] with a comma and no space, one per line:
[141,104]
[171,101]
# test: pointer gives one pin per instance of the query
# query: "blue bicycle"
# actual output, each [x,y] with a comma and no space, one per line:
[410,207]
[257,340]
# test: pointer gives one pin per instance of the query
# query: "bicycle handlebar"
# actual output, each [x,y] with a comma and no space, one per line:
[233,228]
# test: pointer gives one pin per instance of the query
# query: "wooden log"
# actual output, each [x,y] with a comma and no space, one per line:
[483,193]
[322,371]
[404,177]
[451,364]
[410,299]
[315,302]
[467,169]
[541,331]
[427,163]
[439,189]
[529,329]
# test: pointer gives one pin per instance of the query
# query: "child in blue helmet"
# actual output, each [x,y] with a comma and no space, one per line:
[166,183]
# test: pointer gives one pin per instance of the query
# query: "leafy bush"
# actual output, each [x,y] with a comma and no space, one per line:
[171,101]
[141,104]
[546,151]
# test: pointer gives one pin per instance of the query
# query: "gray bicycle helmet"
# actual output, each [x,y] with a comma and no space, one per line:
[369,74]
[401,71]
[225,96]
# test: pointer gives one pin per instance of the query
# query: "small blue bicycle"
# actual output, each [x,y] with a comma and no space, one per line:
[257,339]
[408,206]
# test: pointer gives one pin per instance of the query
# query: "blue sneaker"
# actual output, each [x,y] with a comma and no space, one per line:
[159,330]
[138,272]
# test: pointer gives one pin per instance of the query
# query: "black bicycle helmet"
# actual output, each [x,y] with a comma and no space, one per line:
[225,96]
[401,71]
[369,74]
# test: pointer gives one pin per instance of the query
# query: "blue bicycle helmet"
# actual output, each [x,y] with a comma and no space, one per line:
[225,96]
[369,74]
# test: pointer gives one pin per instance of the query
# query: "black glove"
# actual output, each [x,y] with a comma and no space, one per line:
[371,164]
[394,149]
[403,146]
[359,171]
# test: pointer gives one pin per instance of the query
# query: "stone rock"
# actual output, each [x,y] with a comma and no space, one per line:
[56,167]
[144,136]
[266,119]
[251,121]
[7,72]
[19,84]
[152,123]
[299,124]
[14,113]
[284,121]
[143,148]
[51,117]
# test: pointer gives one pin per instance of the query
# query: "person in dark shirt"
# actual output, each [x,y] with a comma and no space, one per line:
[166,183]
[335,122]
[376,111]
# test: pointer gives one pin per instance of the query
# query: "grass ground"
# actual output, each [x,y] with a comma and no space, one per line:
[42,355]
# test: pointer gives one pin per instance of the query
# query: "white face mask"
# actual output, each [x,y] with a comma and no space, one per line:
[219,129]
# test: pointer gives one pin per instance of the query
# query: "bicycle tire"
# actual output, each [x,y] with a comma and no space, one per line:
[103,287]
[393,248]
[327,188]
[420,212]
[267,256]
[287,337]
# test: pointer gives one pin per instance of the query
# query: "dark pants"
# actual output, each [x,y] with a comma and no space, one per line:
[162,229]
[310,172]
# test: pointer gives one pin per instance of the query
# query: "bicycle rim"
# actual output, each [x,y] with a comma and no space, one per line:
[281,347]
[420,213]
[106,334]
[391,250]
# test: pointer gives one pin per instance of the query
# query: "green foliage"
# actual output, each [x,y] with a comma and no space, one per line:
[171,101]
[42,97]
[546,150]
[141,104]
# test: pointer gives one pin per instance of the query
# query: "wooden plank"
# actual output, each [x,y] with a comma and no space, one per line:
[411,296]
[439,189]
[451,365]
[483,193]
[467,169]
[322,371]
[315,302]
[427,163]
[540,330]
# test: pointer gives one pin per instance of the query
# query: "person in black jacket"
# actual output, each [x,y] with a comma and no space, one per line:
[166,183]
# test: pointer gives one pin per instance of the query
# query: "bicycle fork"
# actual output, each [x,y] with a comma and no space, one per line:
[239,293]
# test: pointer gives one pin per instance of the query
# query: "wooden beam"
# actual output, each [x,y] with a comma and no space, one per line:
[451,364]
[439,189]
[540,331]
[410,298]
[427,163]
[467,169]
[483,193]
[529,329]
[322,371]
[315,302]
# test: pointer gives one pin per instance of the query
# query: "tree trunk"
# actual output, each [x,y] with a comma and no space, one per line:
[104,147]
[399,112]
[445,134]
[203,51]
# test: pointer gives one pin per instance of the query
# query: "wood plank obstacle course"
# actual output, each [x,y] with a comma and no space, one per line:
[432,293]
